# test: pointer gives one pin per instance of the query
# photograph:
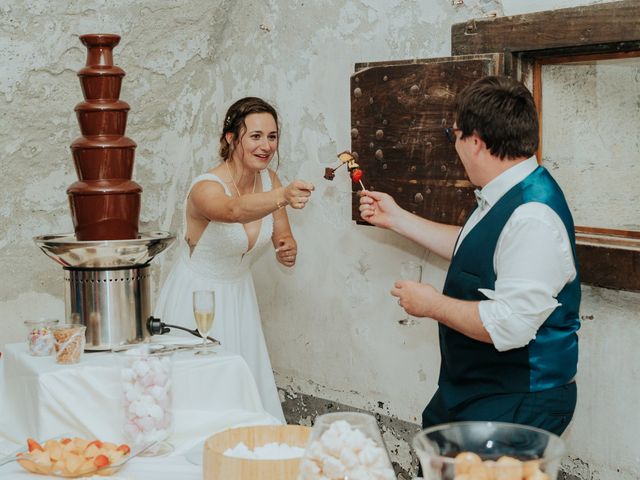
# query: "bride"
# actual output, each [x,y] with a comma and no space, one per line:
[231,212]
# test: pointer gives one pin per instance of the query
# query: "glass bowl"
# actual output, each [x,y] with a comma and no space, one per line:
[488,450]
[40,462]
[346,445]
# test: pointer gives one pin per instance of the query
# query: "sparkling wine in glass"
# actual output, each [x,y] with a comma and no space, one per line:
[204,309]
[412,271]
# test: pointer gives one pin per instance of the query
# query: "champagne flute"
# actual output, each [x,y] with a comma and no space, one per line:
[204,309]
[410,270]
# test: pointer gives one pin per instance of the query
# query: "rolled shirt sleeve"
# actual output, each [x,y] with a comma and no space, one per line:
[533,261]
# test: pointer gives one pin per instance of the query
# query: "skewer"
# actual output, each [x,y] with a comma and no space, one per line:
[355,172]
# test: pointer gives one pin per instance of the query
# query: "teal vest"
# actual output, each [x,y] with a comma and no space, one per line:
[471,369]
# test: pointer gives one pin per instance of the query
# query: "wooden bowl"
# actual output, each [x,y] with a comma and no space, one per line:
[216,466]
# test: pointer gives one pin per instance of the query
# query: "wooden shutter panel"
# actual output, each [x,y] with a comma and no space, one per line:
[398,111]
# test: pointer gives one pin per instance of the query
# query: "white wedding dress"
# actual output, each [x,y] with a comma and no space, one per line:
[220,262]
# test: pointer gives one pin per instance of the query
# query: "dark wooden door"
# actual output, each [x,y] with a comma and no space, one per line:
[398,113]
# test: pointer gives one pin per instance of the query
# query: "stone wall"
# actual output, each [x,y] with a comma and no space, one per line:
[329,322]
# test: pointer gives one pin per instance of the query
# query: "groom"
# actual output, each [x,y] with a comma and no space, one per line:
[508,314]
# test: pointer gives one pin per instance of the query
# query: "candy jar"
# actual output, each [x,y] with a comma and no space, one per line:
[40,337]
[346,445]
[146,396]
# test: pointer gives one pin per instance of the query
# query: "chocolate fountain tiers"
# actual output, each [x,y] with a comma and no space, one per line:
[105,209]
[105,203]
[106,261]
[103,157]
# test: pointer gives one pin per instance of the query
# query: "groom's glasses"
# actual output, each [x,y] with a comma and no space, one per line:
[450,133]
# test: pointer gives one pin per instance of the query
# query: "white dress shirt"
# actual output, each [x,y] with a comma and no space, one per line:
[533,261]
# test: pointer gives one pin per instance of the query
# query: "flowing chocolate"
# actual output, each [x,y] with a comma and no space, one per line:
[105,202]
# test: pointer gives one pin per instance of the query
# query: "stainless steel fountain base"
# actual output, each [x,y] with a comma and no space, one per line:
[113,304]
[107,284]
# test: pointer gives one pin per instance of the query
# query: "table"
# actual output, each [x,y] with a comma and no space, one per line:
[41,399]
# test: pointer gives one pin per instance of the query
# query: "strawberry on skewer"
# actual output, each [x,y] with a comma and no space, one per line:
[347,158]
[356,177]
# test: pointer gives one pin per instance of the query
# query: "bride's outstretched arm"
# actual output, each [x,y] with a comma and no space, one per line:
[208,200]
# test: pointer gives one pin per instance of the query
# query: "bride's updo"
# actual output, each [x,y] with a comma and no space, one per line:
[234,121]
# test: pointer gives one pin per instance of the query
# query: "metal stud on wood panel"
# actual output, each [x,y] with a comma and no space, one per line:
[357,92]
[379,134]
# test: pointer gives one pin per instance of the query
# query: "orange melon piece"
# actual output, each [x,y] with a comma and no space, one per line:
[72,463]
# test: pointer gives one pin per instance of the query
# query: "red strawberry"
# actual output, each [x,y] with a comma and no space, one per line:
[124,448]
[101,461]
[33,445]
[97,443]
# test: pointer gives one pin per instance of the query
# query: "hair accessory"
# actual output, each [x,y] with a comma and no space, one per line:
[227,121]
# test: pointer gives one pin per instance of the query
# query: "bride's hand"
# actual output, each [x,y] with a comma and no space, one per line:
[297,193]
[287,251]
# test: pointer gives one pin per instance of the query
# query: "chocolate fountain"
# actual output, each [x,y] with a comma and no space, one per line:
[106,260]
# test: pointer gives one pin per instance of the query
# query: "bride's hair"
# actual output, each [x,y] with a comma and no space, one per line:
[234,121]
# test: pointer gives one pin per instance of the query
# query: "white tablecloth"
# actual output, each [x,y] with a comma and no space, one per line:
[41,399]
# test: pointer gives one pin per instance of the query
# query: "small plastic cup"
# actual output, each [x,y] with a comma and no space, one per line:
[40,337]
[69,340]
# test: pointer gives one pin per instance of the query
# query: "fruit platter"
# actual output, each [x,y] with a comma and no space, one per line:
[73,457]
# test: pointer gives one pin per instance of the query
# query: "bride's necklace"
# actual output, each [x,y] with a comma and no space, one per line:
[255,178]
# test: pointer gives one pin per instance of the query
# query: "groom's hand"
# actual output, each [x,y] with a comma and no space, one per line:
[418,299]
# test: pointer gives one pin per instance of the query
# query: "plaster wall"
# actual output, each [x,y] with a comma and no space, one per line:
[329,322]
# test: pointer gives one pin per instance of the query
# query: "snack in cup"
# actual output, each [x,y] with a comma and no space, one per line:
[69,340]
[40,337]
